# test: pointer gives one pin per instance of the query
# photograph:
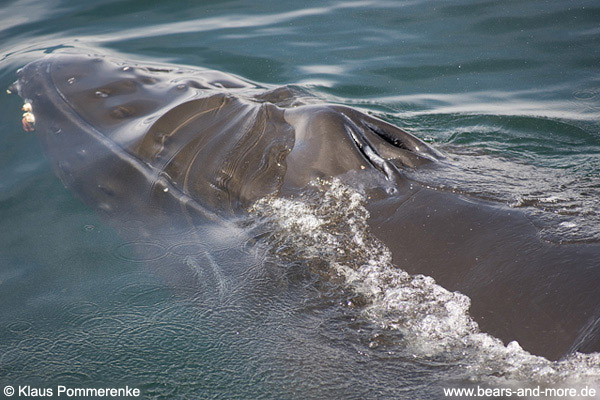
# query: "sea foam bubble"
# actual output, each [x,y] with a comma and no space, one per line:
[327,226]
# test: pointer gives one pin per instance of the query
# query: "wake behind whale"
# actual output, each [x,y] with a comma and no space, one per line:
[323,185]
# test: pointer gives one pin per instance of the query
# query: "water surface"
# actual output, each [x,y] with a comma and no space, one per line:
[508,91]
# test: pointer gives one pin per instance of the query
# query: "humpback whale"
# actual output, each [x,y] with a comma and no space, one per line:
[183,145]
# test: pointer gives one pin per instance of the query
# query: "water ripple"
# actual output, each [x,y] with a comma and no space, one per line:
[141,251]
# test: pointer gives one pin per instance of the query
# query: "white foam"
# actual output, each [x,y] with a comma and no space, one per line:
[329,224]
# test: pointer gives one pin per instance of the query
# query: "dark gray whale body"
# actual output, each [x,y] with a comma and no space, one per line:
[190,145]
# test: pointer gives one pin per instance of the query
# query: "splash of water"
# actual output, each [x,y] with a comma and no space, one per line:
[327,226]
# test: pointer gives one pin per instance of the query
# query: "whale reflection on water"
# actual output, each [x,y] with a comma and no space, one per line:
[184,149]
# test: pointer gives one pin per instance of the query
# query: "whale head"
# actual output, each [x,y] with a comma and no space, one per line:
[119,132]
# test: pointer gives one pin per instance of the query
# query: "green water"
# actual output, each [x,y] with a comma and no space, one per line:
[508,91]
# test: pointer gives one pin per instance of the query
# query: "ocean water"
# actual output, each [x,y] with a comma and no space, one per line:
[508,91]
